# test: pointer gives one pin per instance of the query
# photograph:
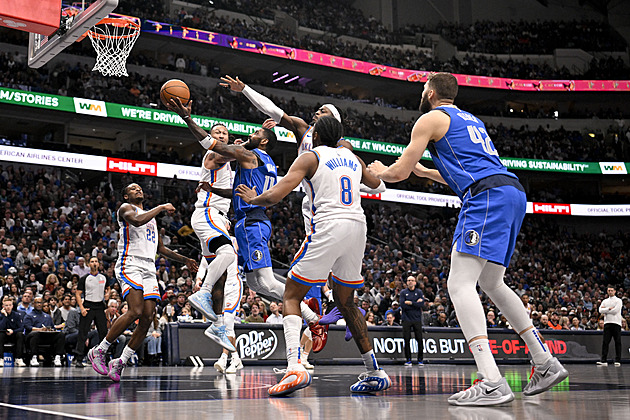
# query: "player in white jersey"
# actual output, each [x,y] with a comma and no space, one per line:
[332,176]
[210,222]
[138,244]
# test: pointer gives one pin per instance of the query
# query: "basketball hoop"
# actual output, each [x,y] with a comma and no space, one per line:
[113,39]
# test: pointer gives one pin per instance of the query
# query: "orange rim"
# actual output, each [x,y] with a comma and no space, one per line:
[119,23]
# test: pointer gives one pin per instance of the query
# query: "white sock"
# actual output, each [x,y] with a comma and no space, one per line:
[104,345]
[369,360]
[219,322]
[480,349]
[235,355]
[224,356]
[539,350]
[126,354]
[304,355]
[308,314]
[225,257]
[292,326]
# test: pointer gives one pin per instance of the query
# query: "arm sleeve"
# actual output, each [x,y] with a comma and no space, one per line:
[203,267]
[264,104]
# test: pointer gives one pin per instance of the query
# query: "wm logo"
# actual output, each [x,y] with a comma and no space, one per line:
[609,168]
[90,107]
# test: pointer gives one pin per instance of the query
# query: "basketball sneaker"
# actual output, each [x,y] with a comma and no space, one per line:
[202,301]
[408,363]
[602,363]
[96,356]
[483,392]
[219,336]
[320,336]
[296,378]
[116,367]
[235,365]
[376,380]
[221,364]
[545,377]
[307,365]
[313,303]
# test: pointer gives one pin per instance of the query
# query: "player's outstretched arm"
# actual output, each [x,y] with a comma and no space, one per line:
[266,106]
[131,216]
[174,256]
[431,126]
[303,167]
[424,172]
[221,192]
[375,185]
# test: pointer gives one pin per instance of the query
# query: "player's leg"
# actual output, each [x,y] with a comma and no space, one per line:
[306,342]
[116,366]
[490,388]
[296,376]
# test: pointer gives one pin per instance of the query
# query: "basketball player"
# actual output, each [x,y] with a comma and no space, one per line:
[255,168]
[493,207]
[229,297]
[138,244]
[332,175]
[210,222]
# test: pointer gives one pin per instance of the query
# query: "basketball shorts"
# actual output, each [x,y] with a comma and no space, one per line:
[209,224]
[307,214]
[489,223]
[137,273]
[334,245]
[252,237]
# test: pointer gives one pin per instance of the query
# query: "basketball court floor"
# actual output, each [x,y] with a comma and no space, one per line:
[590,392]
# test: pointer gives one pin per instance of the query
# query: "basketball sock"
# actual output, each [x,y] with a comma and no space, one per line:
[292,326]
[223,356]
[104,345]
[510,305]
[225,257]
[308,314]
[234,355]
[263,281]
[369,360]
[219,322]
[537,348]
[126,354]
[480,348]
[304,354]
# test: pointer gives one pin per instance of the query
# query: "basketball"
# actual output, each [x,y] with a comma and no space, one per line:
[174,88]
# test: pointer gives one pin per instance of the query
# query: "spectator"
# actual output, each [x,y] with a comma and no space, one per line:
[275,317]
[81,269]
[255,315]
[39,329]
[11,330]
[390,320]
[25,305]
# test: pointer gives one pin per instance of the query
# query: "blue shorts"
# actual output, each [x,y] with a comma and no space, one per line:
[253,244]
[489,223]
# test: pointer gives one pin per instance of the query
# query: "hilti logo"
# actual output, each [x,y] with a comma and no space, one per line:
[132,166]
[551,208]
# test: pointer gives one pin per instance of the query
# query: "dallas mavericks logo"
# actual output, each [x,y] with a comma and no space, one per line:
[471,237]
[257,255]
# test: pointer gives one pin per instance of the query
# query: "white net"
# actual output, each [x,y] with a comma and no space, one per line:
[113,40]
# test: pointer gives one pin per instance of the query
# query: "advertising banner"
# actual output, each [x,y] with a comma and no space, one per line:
[377,70]
[265,342]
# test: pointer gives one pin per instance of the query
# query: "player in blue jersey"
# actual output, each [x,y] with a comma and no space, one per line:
[256,169]
[493,208]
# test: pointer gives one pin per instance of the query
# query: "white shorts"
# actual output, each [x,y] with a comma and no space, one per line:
[307,214]
[233,290]
[138,273]
[335,245]
[209,224]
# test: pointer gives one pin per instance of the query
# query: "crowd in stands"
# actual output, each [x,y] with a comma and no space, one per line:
[76,80]
[51,226]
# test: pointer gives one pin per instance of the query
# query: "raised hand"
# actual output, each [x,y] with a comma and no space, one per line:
[234,84]
[269,123]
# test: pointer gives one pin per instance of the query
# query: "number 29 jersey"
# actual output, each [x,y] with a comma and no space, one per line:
[465,154]
[334,188]
[140,241]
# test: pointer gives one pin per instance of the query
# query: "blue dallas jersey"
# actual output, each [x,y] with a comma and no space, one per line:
[262,177]
[465,154]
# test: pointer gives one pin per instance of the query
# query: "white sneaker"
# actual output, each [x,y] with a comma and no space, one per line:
[57,361]
[483,392]
[617,364]
[307,365]
[545,377]
[602,363]
[221,364]
[376,380]
[235,365]
[19,363]
[34,362]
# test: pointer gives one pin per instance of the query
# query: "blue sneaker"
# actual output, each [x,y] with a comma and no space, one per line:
[408,364]
[218,335]
[202,301]
[374,381]
[420,364]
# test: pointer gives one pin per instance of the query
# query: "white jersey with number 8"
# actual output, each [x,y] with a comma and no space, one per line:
[334,188]
[140,241]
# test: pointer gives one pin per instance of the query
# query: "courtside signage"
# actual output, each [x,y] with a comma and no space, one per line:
[613,168]
[52,158]
[135,167]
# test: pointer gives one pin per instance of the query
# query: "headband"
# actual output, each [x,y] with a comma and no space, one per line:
[334,111]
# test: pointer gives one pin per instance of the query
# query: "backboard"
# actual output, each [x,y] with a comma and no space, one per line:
[42,48]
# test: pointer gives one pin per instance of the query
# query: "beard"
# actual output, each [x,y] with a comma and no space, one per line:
[250,145]
[425,105]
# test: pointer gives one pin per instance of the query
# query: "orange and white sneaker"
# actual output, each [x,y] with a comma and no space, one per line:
[296,378]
